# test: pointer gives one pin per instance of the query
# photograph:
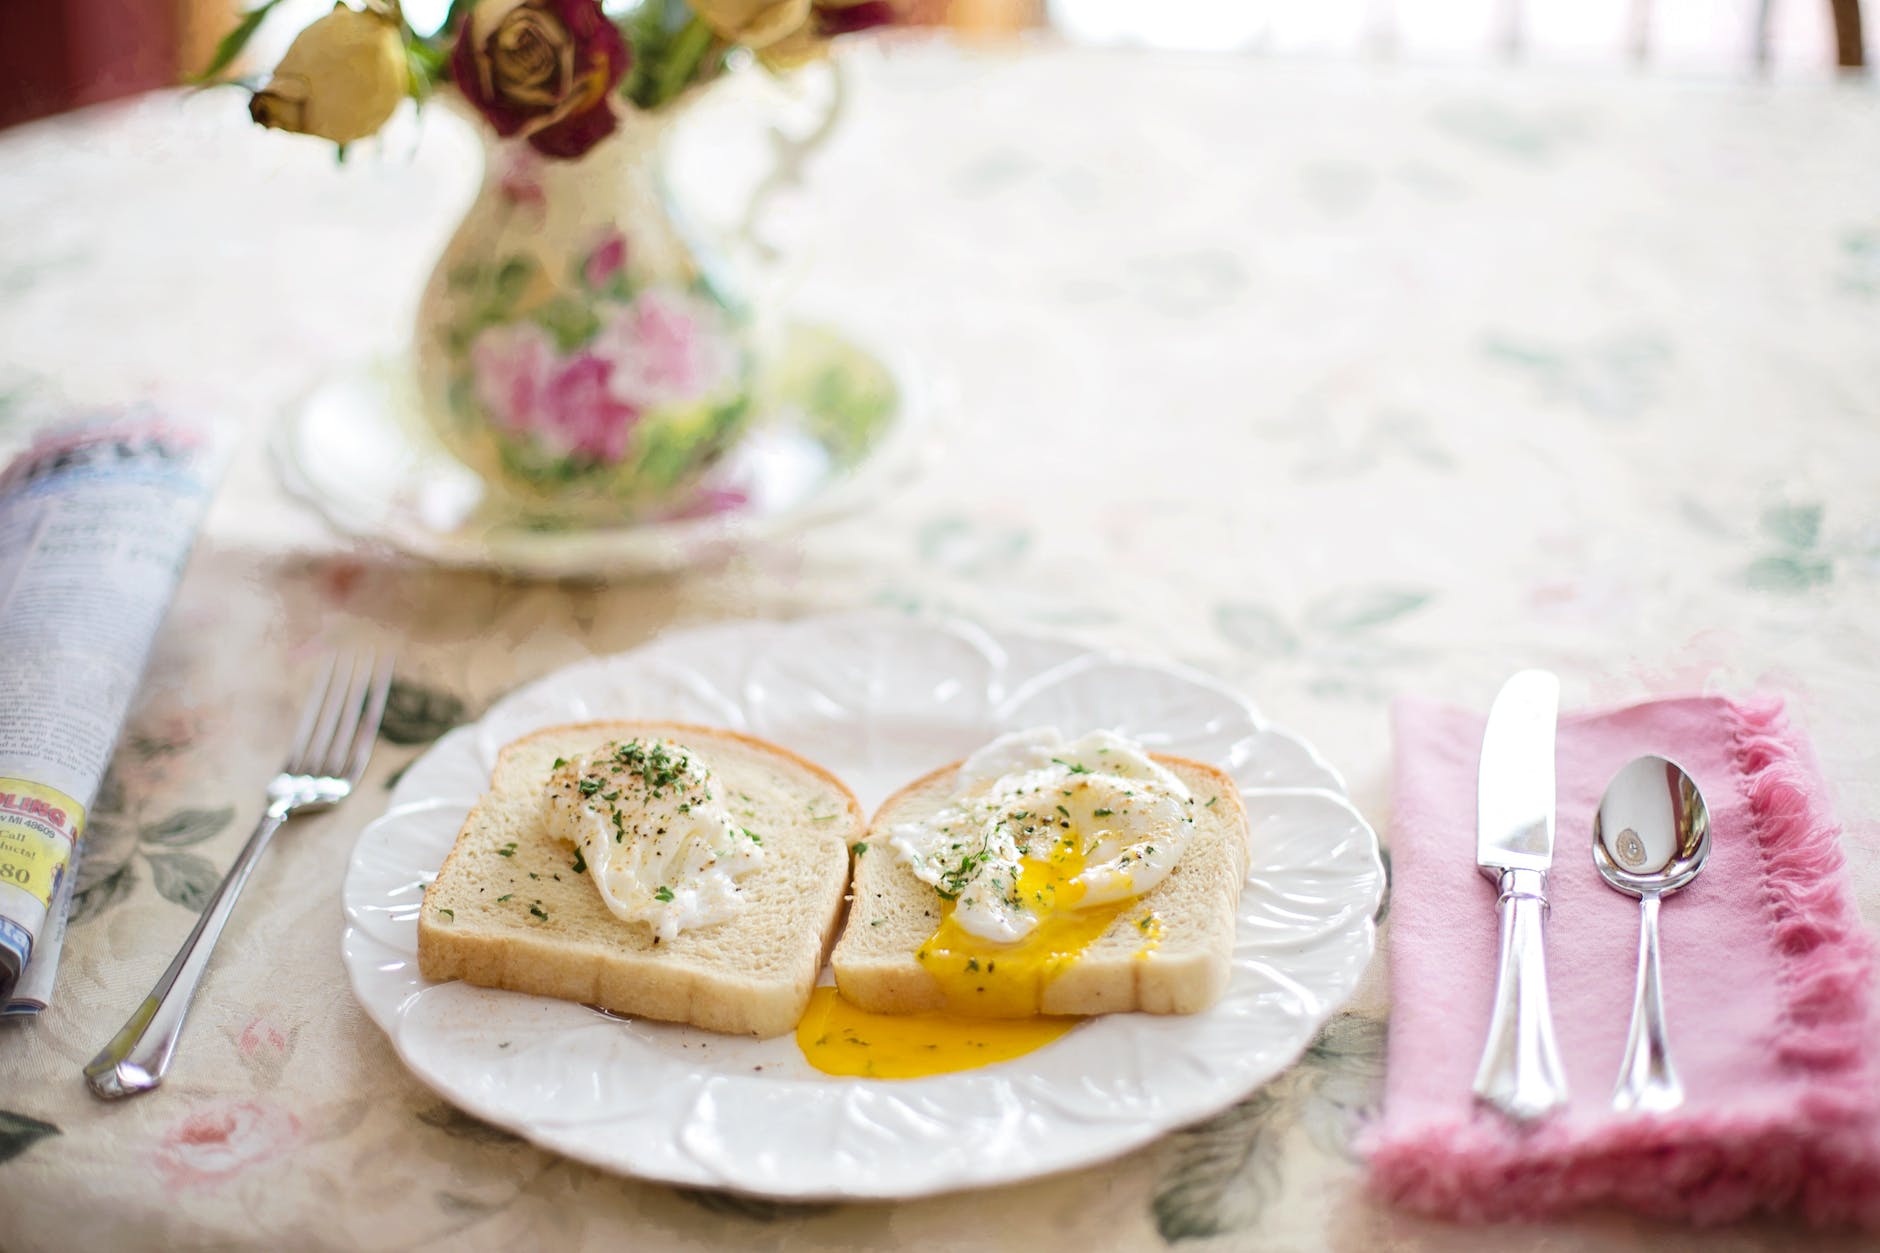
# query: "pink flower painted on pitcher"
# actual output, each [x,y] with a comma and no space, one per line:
[606,262]
[520,182]
[667,348]
[567,404]
[511,367]
[583,414]
[219,1140]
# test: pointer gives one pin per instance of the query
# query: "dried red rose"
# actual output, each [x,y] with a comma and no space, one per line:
[544,69]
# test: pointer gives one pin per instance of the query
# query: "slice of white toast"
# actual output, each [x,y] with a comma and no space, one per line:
[509,909]
[1167,953]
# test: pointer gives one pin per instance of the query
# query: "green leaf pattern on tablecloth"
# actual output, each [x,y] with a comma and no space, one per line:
[183,878]
[19,1133]
[1616,378]
[1797,563]
[186,826]
[1221,1176]
[417,714]
[1341,639]
[107,873]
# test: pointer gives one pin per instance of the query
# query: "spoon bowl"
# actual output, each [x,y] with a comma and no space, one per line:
[1651,836]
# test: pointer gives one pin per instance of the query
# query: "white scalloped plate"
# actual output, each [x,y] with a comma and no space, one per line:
[878,700]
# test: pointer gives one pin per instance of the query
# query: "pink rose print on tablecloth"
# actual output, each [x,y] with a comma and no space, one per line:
[265,1047]
[666,348]
[220,1139]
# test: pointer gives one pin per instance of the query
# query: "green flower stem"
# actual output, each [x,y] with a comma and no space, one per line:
[682,61]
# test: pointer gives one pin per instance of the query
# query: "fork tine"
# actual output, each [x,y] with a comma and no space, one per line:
[310,715]
[332,704]
[369,723]
[339,748]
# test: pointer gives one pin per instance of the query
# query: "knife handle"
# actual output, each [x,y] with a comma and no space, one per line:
[1520,1073]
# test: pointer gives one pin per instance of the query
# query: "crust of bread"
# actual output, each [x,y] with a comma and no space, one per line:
[1184,972]
[749,975]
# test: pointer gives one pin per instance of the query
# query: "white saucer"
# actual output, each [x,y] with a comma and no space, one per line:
[840,429]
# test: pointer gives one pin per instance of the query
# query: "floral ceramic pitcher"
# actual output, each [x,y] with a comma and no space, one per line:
[571,347]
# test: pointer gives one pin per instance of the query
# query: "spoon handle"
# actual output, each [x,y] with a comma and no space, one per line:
[1647,1080]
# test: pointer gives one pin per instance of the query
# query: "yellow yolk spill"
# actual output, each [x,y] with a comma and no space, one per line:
[839,1039]
[990,980]
[993,991]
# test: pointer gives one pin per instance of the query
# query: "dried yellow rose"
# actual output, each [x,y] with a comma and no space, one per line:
[340,79]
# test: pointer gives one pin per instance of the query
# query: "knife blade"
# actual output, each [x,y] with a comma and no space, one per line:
[1520,1071]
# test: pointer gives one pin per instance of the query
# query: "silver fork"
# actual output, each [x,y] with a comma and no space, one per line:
[331,746]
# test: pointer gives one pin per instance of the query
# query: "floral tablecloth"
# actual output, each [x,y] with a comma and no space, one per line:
[1340,383]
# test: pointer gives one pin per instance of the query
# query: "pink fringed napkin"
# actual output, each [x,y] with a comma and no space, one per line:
[1766,970]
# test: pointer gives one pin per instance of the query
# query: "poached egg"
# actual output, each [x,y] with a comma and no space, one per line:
[654,834]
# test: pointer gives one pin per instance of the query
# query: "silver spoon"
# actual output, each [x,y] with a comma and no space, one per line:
[1650,837]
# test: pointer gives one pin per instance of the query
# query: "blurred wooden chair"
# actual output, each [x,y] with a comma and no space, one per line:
[1849,45]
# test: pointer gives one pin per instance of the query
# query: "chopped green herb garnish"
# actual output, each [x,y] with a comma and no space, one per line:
[860,847]
[1211,800]
[1101,813]
[449,913]
[589,786]
[580,862]
[507,850]
[539,912]
[664,894]
[1071,766]
[559,763]
[505,896]
[1064,811]
[752,836]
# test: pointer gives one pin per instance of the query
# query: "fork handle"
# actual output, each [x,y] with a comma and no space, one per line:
[138,1056]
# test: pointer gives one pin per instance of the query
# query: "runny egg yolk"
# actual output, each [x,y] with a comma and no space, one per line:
[839,1039]
[993,991]
[987,979]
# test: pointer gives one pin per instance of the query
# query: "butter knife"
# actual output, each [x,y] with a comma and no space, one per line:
[1520,1072]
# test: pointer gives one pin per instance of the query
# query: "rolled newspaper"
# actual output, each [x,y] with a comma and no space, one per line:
[97,517]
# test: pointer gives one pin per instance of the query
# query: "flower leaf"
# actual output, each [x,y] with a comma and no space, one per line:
[1793,526]
[1254,628]
[960,546]
[1787,574]
[1343,1071]
[1361,608]
[19,1133]
[100,886]
[186,827]
[416,714]
[233,43]
[183,878]
[1224,1172]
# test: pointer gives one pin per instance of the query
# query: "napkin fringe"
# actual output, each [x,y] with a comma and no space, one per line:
[1827,954]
